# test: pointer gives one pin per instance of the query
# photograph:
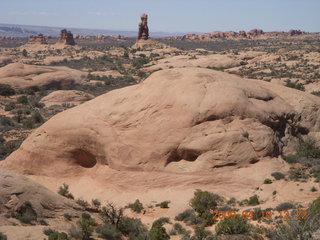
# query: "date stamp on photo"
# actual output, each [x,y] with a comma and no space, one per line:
[261,214]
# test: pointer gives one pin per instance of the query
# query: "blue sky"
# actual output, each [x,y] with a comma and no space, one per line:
[166,15]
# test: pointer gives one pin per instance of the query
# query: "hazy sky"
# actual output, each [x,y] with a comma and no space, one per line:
[166,15]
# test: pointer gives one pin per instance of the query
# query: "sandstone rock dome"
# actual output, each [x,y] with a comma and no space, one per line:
[180,120]
[20,75]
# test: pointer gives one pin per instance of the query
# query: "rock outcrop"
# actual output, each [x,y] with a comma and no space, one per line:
[16,191]
[231,35]
[20,75]
[37,39]
[143,28]
[66,38]
[68,97]
[187,119]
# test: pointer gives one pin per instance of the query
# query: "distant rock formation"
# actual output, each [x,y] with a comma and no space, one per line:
[66,37]
[37,39]
[293,32]
[231,35]
[143,28]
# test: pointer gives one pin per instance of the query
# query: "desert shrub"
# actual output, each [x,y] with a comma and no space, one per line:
[22,99]
[284,206]
[200,233]
[295,85]
[3,236]
[231,201]
[9,107]
[189,217]
[86,225]
[184,215]
[316,93]
[58,236]
[37,118]
[96,203]
[67,216]
[309,149]
[26,213]
[75,232]
[163,220]
[5,121]
[48,231]
[313,189]
[295,174]
[164,204]
[203,203]
[64,191]
[278,175]
[8,147]
[82,202]
[180,229]
[136,206]
[237,225]
[24,53]
[291,158]
[28,123]
[267,181]
[111,214]
[139,62]
[253,200]
[6,90]
[158,232]
[133,228]
[108,231]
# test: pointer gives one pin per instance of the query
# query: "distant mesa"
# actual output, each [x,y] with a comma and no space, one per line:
[37,39]
[231,35]
[66,38]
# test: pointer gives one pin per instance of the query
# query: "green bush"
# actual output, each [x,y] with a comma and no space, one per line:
[164,204]
[108,231]
[6,90]
[158,232]
[200,233]
[22,99]
[96,203]
[28,123]
[309,149]
[295,85]
[180,229]
[267,181]
[9,107]
[184,215]
[253,200]
[86,225]
[203,201]
[295,174]
[58,236]
[189,217]
[26,213]
[278,175]
[48,231]
[3,236]
[36,117]
[64,191]
[232,226]
[136,206]
[133,228]
[284,206]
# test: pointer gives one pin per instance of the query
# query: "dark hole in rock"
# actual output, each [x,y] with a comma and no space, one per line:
[253,161]
[83,158]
